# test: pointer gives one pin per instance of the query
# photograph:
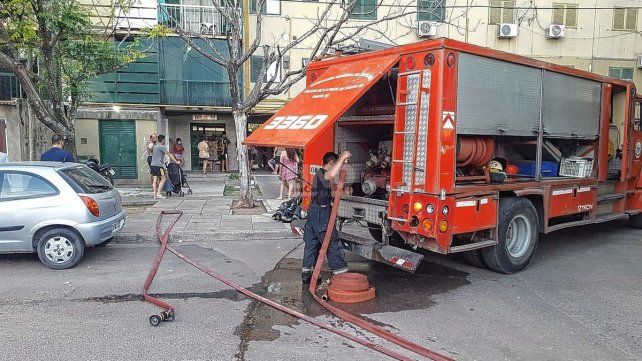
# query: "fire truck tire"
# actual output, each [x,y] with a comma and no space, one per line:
[475,258]
[517,233]
[635,220]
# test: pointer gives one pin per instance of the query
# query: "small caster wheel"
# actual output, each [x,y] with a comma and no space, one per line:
[189,191]
[181,194]
[155,320]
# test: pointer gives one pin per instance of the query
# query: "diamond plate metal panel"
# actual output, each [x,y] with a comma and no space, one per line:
[571,106]
[497,97]
[422,137]
[409,143]
[369,210]
[410,124]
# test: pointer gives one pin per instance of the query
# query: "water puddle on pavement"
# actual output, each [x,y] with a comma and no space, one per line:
[396,291]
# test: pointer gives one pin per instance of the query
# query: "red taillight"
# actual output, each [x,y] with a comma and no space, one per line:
[91,204]
[410,63]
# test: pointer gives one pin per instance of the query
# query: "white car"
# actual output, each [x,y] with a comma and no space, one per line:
[56,210]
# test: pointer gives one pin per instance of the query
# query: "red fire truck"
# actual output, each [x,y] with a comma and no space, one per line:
[460,148]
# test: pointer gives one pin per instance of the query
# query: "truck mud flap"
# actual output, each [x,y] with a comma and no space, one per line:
[370,249]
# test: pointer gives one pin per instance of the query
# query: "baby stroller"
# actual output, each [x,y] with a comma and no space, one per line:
[177,178]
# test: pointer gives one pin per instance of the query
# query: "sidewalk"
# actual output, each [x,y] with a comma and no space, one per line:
[207,213]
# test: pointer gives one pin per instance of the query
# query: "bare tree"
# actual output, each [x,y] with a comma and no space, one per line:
[66,41]
[328,28]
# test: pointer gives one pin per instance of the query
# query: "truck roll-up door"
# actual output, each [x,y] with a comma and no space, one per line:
[317,107]
[571,106]
[496,97]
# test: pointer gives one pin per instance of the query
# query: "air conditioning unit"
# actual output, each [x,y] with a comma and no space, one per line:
[639,62]
[556,31]
[207,29]
[507,31]
[427,29]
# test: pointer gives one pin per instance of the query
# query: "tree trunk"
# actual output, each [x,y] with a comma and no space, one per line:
[246,198]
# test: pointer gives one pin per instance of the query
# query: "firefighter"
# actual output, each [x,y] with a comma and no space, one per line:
[319,217]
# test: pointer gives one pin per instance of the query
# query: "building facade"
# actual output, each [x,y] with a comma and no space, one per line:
[177,91]
[171,90]
[598,36]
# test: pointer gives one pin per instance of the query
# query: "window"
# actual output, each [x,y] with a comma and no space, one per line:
[17,185]
[85,180]
[625,19]
[364,10]
[274,71]
[270,7]
[621,73]
[431,10]
[256,63]
[565,14]
[501,11]
[9,86]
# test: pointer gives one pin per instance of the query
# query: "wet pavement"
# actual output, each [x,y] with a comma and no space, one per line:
[578,300]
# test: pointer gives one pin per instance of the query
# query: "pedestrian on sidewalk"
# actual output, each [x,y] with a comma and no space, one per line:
[159,172]
[149,148]
[275,160]
[57,153]
[215,152]
[289,171]
[319,217]
[178,149]
[224,155]
[204,154]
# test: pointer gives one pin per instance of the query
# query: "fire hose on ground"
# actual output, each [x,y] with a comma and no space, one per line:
[168,312]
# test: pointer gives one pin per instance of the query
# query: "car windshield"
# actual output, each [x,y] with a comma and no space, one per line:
[85,180]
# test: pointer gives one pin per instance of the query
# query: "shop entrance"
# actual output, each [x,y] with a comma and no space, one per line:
[198,131]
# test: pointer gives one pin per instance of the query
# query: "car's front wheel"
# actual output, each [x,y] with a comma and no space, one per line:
[60,248]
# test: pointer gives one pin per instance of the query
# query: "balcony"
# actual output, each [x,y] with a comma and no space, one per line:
[204,20]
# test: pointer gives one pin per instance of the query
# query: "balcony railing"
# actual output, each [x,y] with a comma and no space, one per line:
[204,20]
[190,92]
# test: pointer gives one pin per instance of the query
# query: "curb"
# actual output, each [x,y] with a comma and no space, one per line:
[126,238]
[138,203]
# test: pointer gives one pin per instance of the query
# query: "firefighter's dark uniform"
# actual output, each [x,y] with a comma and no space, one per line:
[316,226]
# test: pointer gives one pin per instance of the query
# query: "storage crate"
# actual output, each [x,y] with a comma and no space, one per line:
[527,168]
[576,167]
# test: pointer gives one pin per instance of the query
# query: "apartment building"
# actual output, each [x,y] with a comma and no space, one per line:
[599,36]
[177,91]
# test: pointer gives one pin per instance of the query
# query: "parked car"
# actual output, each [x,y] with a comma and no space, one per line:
[56,210]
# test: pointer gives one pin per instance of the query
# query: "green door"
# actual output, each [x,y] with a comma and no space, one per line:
[118,147]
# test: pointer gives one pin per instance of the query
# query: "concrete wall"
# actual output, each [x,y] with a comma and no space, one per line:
[88,128]
[17,122]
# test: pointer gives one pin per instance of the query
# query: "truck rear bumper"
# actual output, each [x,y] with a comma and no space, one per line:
[370,249]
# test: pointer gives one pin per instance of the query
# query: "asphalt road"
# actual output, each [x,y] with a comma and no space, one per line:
[579,300]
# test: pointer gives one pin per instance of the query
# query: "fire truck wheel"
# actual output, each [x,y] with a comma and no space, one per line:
[475,258]
[635,220]
[517,233]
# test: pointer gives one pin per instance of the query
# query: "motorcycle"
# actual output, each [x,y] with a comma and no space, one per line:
[104,170]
